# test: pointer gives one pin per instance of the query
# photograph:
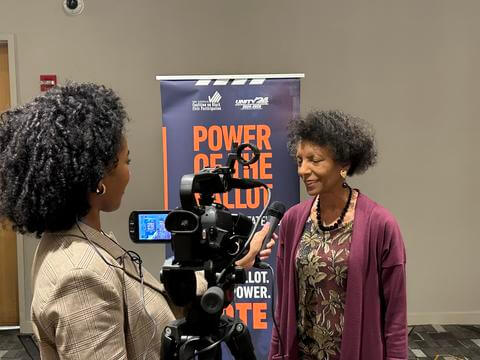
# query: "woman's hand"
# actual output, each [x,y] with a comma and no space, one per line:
[255,245]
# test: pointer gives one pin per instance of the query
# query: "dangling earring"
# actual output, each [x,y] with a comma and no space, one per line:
[102,191]
[343,174]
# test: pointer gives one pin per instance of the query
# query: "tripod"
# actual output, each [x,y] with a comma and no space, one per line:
[185,339]
[205,327]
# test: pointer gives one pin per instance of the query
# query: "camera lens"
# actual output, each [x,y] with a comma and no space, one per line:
[72,4]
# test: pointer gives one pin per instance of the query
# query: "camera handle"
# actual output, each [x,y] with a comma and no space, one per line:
[210,181]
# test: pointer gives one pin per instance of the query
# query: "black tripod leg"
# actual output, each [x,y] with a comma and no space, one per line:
[240,343]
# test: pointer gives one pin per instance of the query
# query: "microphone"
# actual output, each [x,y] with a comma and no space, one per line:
[236,183]
[274,214]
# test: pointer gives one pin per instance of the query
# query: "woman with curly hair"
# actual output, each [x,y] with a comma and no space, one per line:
[63,160]
[341,257]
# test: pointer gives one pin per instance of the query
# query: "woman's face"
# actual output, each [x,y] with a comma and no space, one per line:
[116,180]
[318,169]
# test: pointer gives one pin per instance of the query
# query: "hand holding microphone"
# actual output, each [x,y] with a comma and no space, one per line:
[265,251]
[274,214]
[263,240]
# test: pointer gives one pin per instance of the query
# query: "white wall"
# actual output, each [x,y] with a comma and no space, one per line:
[410,67]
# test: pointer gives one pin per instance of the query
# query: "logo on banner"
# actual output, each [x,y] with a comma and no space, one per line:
[212,104]
[252,104]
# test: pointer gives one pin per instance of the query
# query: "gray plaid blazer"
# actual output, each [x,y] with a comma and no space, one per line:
[83,308]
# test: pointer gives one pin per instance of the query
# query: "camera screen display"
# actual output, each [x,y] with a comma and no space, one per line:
[152,227]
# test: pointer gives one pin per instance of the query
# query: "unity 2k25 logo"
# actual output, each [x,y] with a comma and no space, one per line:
[212,104]
[252,104]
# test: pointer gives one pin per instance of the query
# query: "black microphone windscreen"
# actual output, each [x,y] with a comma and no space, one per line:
[276,209]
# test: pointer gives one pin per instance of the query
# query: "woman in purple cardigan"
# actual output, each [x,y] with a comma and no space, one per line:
[341,258]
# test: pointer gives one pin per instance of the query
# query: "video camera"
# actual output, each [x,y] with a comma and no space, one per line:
[207,231]
[205,235]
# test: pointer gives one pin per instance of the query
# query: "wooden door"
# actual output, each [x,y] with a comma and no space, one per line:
[8,242]
[4,78]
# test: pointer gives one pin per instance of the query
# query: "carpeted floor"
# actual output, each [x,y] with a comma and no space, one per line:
[11,347]
[426,342]
[449,342]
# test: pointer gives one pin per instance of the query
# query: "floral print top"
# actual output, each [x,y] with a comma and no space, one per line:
[321,263]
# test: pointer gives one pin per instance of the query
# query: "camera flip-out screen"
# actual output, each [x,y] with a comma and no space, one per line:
[149,226]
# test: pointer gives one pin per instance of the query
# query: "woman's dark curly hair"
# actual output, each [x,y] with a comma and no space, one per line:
[351,139]
[54,151]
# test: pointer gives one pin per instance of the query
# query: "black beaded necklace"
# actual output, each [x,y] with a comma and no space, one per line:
[340,219]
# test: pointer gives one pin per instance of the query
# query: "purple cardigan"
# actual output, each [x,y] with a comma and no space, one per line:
[376,307]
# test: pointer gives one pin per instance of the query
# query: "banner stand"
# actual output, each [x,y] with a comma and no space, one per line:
[202,116]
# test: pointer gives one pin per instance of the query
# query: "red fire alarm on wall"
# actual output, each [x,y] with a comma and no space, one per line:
[47,82]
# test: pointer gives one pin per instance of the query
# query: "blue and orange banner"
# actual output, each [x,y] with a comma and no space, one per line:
[202,118]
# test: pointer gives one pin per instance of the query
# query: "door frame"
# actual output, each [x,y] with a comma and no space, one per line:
[9,39]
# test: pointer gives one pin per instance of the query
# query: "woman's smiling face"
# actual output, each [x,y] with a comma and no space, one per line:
[317,168]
